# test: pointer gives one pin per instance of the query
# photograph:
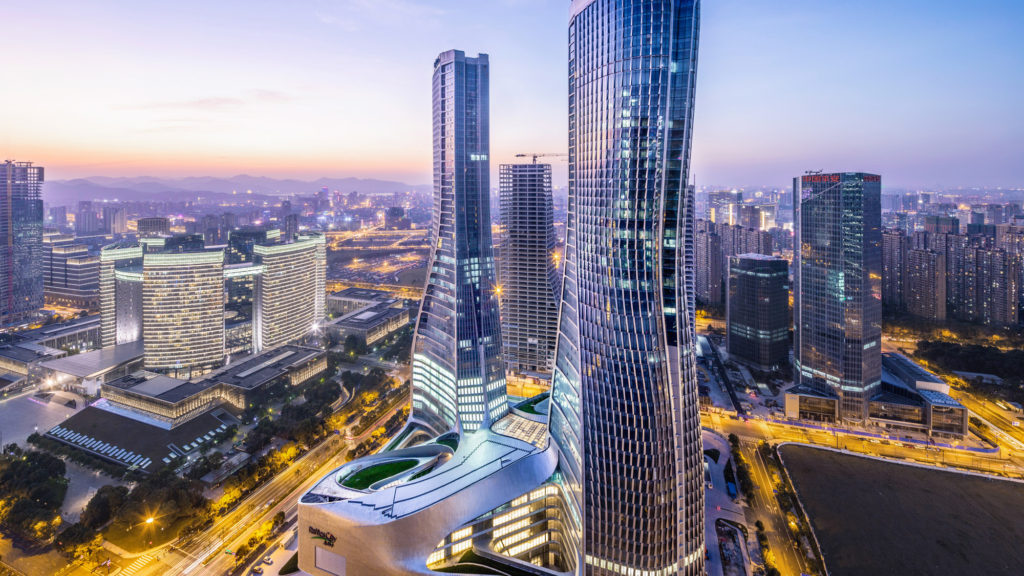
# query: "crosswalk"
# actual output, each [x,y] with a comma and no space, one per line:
[137,565]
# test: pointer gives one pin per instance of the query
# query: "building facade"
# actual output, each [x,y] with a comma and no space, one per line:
[757,315]
[21,241]
[709,264]
[287,292]
[926,284]
[624,341]
[71,275]
[837,287]
[894,262]
[458,372]
[154,226]
[528,275]
[183,312]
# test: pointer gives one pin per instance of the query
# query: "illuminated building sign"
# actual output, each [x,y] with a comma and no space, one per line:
[326,537]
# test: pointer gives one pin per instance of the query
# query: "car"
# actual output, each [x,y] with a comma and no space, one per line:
[257,570]
[268,560]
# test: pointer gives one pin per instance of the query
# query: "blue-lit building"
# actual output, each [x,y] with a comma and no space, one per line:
[458,372]
[837,288]
[21,241]
[624,411]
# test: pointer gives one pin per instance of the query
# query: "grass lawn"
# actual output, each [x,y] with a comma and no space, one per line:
[370,475]
[449,440]
[874,517]
[530,407]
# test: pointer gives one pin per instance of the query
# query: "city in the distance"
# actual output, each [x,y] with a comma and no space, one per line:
[512,288]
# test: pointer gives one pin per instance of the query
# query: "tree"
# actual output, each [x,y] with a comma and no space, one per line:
[103,505]
[354,346]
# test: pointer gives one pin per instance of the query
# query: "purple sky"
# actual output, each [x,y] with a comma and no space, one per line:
[925,92]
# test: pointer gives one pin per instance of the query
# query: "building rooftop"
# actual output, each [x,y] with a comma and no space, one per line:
[939,399]
[363,294]
[756,256]
[369,316]
[159,386]
[907,370]
[26,352]
[96,362]
[260,369]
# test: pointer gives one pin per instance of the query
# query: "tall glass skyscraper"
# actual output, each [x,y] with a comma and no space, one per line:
[458,373]
[21,241]
[624,414]
[837,287]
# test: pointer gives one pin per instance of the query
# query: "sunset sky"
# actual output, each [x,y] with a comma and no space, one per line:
[925,92]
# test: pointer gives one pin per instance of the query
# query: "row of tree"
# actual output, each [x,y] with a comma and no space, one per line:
[32,490]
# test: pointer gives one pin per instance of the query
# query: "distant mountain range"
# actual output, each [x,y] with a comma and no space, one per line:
[144,188]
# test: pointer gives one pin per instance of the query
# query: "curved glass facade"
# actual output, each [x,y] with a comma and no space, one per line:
[457,370]
[624,413]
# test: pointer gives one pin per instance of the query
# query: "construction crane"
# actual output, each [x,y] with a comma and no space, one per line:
[536,155]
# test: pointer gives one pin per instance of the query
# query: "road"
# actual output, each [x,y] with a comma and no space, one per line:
[765,508]
[205,553]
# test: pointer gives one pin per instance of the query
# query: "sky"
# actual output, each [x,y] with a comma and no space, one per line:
[925,92]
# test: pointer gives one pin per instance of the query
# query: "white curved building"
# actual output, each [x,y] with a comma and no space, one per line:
[486,501]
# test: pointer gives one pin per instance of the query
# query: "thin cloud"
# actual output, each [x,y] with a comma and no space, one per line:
[217,103]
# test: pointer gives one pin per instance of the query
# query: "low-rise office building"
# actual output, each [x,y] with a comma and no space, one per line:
[171,402]
[369,315]
[909,398]
[21,364]
[84,373]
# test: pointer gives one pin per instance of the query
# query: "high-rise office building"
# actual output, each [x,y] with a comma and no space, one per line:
[724,206]
[153,226]
[709,264]
[993,277]
[528,274]
[71,275]
[458,373]
[894,258]
[757,315]
[941,225]
[183,312]
[837,287]
[115,219]
[58,218]
[120,293]
[87,221]
[926,284]
[21,238]
[286,295]
[624,389]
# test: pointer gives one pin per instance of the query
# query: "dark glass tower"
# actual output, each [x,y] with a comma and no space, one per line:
[757,312]
[837,287]
[624,414]
[458,373]
[21,240]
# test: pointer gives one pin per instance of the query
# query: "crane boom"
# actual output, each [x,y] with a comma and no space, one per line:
[536,155]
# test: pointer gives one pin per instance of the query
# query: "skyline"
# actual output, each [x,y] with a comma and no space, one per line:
[196,90]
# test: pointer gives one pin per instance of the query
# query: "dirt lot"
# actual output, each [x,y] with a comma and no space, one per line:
[875,517]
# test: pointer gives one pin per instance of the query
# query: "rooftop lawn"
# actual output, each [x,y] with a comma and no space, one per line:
[530,406]
[370,475]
